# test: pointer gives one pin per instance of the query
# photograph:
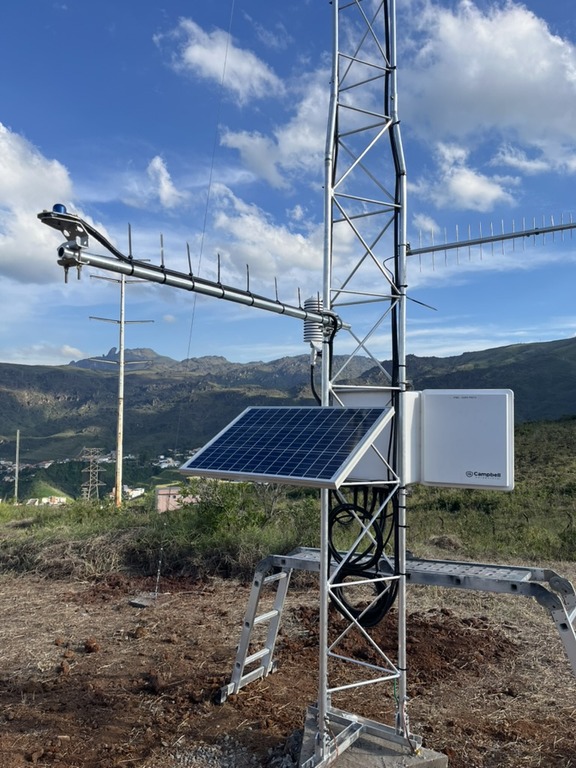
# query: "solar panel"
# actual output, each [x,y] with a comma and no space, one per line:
[303,446]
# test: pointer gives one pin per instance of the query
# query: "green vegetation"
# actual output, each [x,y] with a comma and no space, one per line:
[536,521]
[66,479]
[227,530]
[230,526]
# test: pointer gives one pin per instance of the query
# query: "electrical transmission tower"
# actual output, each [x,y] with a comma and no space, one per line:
[91,487]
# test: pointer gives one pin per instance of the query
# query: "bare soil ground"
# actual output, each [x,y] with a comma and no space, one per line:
[87,679]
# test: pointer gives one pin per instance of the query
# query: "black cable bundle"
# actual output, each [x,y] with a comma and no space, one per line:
[364,561]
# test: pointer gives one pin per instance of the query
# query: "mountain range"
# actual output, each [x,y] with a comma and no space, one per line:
[175,406]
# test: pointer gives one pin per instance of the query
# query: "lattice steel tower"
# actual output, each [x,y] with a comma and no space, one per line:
[364,265]
[365,281]
[91,487]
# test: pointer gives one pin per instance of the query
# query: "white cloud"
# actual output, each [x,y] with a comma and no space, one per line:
[297,145]
[454,336]
[453,339]
[296,214]
[269,249]
[163,185]
[139,188]
[259,153]
[28,179]
[29,182]
[42,354]
[213,56]
[425,224]
[518,159]
[475,73]
[276,39]
[458,186]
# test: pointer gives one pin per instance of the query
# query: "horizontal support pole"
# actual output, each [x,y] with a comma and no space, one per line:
[74,254]
[162,276]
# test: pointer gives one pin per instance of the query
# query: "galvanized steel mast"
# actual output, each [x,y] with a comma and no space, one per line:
[365,230]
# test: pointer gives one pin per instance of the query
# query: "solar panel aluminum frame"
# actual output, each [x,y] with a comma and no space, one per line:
[338,477]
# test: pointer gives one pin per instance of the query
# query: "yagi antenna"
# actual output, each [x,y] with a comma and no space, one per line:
[482,240]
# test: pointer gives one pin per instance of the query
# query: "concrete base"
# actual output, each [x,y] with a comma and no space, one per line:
[369,751]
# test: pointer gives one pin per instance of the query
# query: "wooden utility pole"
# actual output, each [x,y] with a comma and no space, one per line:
[121,322]
[17,468]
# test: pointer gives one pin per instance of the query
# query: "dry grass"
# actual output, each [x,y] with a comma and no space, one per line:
[152,674]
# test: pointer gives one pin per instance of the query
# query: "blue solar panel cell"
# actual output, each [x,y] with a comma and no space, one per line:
[306,446]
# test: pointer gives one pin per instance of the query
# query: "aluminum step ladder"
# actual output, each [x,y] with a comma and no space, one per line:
[552,591]
[268,576]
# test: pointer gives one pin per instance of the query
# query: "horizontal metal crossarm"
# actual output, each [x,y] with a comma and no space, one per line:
[73,253]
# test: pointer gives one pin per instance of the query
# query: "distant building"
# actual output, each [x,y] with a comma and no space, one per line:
[53,501]
[133,493]
[128,493]
[47,501]
[166,463]
[169,497]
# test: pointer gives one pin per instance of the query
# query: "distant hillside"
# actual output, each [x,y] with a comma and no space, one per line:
[542,376]
[168,404]
[179,405]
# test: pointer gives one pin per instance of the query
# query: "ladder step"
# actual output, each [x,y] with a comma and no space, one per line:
[262,661]
[274,577]
[256,656]
[265,616]
[250,677]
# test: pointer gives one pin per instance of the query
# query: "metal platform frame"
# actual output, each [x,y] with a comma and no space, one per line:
[550,590]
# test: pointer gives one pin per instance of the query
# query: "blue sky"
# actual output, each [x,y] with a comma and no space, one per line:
[205,122]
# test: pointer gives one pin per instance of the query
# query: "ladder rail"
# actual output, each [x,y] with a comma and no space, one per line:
[264,576]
